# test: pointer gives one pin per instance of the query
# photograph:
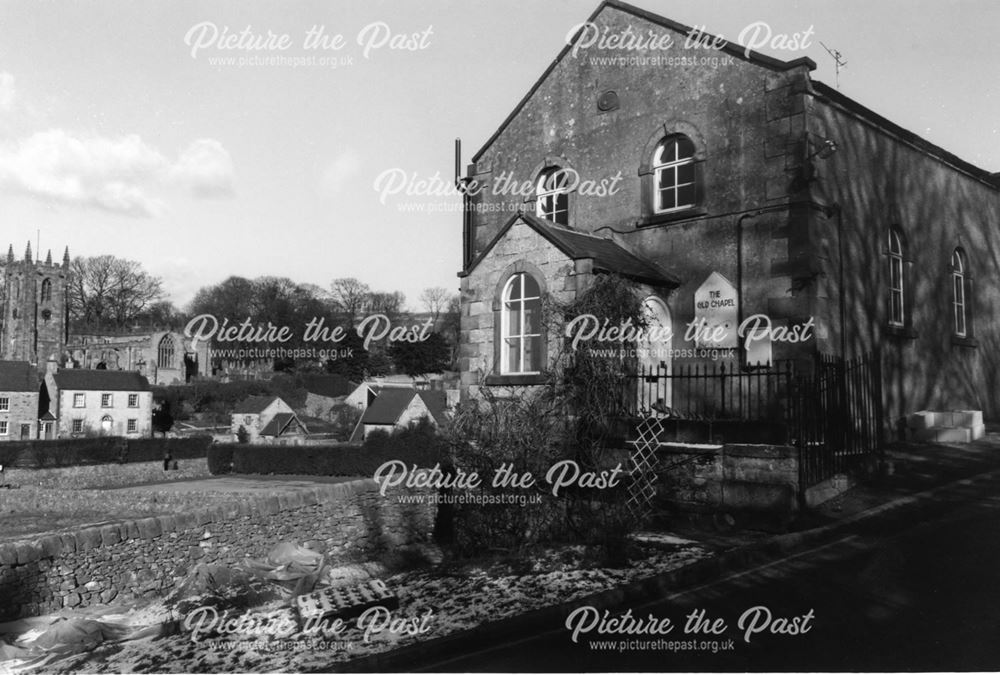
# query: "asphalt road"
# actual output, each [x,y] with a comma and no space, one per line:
[917,593]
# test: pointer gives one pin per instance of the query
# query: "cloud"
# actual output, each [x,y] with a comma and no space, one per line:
[7,91]
[120,175]
[339,171]
[205,168]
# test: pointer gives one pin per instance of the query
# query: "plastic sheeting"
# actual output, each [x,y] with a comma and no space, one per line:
[29,644]
[290,565]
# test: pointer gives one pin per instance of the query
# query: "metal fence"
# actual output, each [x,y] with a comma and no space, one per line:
[830,409]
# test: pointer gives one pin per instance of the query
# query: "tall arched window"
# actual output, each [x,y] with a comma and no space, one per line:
[520,326]
[674,175]
[959,271]
[553,195]
[46,290]
[897,291]
[165,352]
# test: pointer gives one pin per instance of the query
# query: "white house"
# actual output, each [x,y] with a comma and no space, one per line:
[105,402]
[396,408]
[266,419]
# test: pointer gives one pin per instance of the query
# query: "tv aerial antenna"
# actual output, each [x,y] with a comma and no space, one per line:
[838,59]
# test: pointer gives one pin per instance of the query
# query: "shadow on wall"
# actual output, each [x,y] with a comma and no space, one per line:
[878,184]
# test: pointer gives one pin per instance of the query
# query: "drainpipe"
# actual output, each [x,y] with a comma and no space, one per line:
[739,283]
[834,209]
[460,185]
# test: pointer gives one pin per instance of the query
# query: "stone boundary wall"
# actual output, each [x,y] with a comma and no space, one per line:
[762,478]
[147,556]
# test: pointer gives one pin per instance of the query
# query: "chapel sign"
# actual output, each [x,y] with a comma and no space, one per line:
[717,304]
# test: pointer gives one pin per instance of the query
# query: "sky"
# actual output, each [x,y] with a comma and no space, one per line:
[131,129]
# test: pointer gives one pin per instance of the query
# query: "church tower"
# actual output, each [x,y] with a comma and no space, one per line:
[35,307]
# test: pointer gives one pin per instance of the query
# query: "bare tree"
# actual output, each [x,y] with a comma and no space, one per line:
[390,304]
[105,289]
[350,296]
[435,300]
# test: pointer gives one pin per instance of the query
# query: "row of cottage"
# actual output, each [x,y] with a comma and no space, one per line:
[74,402]
[383,407]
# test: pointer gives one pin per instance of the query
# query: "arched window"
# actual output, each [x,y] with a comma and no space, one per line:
[520,326]
[897,311]
[553,195]
[165,352]
[107,424]
[674,183]
[46,290]
[959,278]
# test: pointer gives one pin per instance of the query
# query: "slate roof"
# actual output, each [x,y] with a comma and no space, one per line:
[330,386]
[81,379]
[436,402]
[18,376]
[392,401]
[388,406]
[279,423]
[253,405]
[608,255]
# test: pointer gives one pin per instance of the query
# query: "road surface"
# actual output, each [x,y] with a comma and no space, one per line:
[919,591]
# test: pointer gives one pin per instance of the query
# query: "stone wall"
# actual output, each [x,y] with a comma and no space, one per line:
[146,557]
[22,409]
[937,204]
[761,478]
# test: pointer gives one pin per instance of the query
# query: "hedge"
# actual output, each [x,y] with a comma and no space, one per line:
[102,450]
[416,445]
[220,459]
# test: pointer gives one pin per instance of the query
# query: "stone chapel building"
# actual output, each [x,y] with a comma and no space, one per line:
[742,182]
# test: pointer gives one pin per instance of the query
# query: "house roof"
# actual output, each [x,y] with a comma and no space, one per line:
[330,386]
[18,376]
[827,93]
[436,402]
[608,255]
[393,401]
[389,405]
[82,379]
[279,423]
[253,405]
[735,49]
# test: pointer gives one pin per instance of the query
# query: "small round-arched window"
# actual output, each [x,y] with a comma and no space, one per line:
[675,185]
[897,312]
[959,279]
[553,195]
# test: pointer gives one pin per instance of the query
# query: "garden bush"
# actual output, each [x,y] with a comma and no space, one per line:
[572,416]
